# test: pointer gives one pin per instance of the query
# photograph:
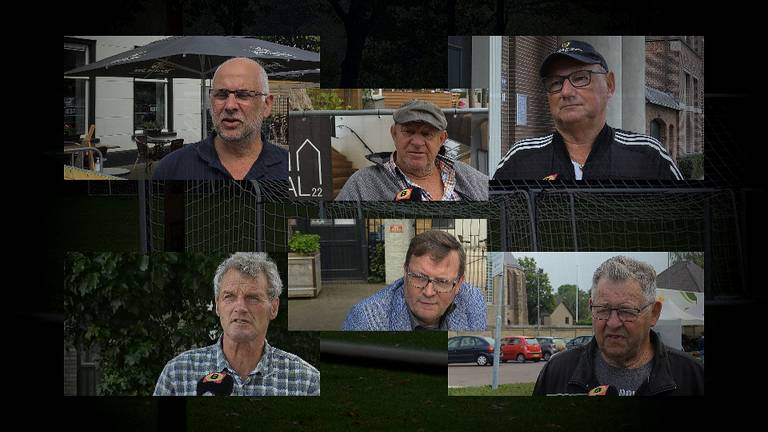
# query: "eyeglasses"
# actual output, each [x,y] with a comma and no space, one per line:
[625,314]
[421,281]
[578,79]
[221,95]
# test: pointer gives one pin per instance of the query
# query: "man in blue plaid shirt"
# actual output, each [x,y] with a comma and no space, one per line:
[247,290]
[431,295]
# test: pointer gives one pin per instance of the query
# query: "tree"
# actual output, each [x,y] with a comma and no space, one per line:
[140,311]
[534,280]
[696,257]
[567,294]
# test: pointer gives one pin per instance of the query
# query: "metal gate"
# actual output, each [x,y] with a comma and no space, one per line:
[343,247]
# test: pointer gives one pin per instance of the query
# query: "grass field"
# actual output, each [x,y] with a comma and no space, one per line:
[523,389]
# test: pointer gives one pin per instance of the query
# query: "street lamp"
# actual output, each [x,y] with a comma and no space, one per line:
[539,272]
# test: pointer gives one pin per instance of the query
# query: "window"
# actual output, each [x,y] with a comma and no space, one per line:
[430,224]
[148,105]
[443,224]
[657,129]
[75,55]
[689,134]
[567,320]
[695,92]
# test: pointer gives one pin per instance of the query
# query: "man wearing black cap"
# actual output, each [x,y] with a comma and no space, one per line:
[579,85]
[417,170]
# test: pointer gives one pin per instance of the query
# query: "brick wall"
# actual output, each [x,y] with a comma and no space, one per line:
[668,60]
[525,55]
[662,66]
[669,117]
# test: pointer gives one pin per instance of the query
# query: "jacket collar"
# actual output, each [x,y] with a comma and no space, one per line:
[659,381]
[600,152]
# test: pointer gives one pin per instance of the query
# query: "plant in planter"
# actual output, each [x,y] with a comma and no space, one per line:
[151,127]
[304,265]
[307,244]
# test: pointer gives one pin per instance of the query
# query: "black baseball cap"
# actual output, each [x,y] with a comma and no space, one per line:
[577,50]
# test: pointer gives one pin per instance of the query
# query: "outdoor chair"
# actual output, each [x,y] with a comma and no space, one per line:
[143,152]
[176,144]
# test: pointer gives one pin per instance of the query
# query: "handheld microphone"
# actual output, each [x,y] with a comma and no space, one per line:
[604,390]
[409,194]
[216,384]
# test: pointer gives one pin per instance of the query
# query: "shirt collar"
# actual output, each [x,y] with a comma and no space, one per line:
[417,324]
[268,157]
[263,367]
[447,174]
[599,147]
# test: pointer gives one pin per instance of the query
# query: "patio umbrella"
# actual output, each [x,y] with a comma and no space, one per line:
[199,56]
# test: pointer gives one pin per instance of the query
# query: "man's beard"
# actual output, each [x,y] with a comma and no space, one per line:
[247,131]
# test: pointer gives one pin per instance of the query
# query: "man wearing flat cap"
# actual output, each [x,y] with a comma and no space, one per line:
[417,170]
[579,84]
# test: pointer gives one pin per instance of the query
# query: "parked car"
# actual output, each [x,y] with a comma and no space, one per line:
[550,346]
[520,348]
[578,341]
[466,349]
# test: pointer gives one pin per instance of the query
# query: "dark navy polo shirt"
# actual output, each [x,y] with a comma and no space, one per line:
[199,161]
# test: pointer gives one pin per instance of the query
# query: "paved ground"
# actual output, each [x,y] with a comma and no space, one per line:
[328,310]
[472,375]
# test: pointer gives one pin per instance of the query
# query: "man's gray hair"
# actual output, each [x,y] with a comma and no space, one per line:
[262,72]
[622,268]
[251,264]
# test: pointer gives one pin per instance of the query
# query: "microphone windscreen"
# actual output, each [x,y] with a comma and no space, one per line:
[409,194]
[216,384]
[604,390]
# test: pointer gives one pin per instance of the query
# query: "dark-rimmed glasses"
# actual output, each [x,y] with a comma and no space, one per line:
[578,79]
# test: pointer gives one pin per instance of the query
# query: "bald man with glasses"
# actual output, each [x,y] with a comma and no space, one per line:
[431,295]
[240,101]
[583,146]
[625,354]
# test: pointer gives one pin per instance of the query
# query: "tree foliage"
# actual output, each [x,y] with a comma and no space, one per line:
[567,294]
[534,281]
[140,311]
[696,257]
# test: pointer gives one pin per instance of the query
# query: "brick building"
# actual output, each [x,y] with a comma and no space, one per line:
[659,85]
[675,92]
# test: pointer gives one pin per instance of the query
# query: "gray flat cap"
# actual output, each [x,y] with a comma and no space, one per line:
[421,111]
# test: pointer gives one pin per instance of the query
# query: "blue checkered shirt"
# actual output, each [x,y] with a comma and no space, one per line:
[278,373]
[387,310]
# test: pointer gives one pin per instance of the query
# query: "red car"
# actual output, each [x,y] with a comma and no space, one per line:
[520,348]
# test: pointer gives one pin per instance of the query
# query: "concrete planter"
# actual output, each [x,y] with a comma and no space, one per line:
[304,275]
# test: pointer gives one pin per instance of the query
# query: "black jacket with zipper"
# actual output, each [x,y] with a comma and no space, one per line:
[674,373]
[616,155]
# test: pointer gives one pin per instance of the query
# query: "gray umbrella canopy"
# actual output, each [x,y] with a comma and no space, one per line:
[199,56]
